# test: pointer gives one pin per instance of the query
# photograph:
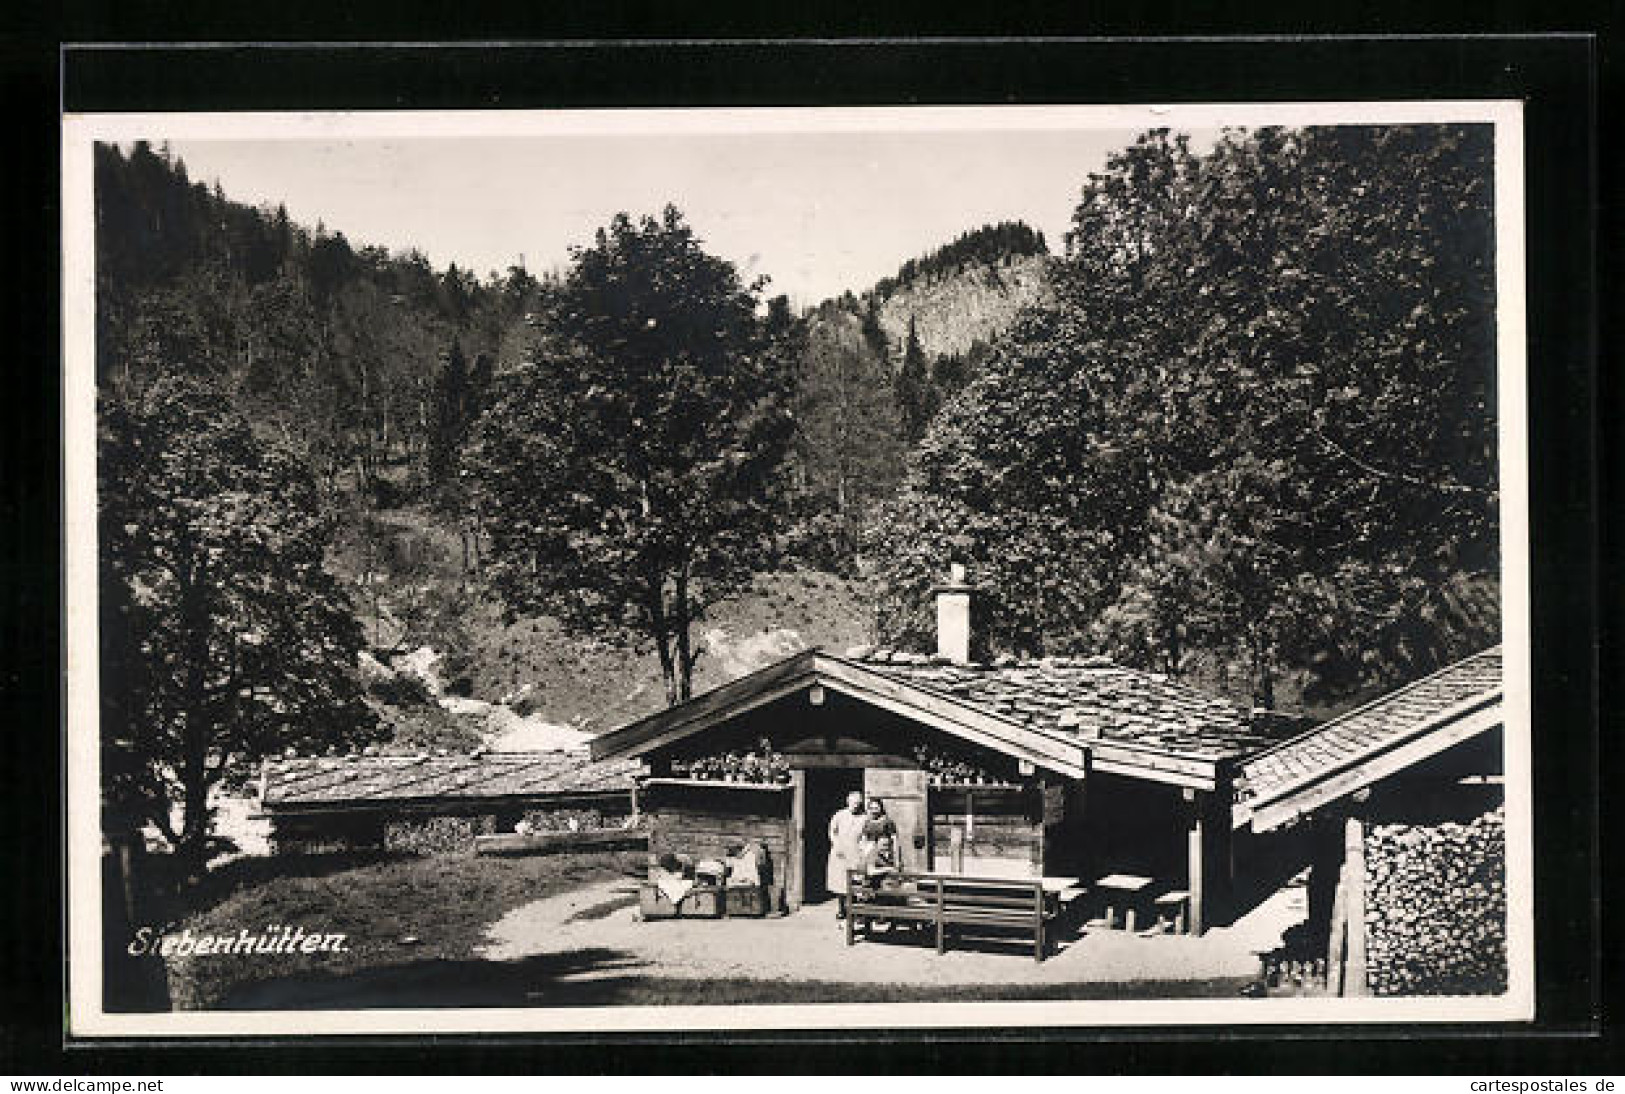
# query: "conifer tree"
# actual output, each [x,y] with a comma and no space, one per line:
[916,401]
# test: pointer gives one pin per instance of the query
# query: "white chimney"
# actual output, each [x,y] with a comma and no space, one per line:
[953,617]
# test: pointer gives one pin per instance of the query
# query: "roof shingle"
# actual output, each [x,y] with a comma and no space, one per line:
[1084,699]
[358,779]
[1371,729]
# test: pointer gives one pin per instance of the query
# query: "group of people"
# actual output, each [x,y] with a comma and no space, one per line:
[861,837]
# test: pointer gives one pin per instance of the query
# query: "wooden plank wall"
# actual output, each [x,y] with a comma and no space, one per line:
[1004,836]
[707,824]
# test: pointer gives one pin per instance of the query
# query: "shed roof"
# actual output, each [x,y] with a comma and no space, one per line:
[1398,729]
[306,782]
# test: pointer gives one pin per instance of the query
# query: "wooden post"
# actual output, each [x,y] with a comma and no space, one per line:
[1338,935]
[796,868]
[956,850]
[941,927]
[1038,923]
[1195,873]
[1354,865]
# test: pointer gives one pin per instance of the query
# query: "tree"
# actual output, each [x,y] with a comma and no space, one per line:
[225,640]
[451,413]
[1018,477]
[915,395]
[1329,435]
[1288,345]
[848,446]
[629,478]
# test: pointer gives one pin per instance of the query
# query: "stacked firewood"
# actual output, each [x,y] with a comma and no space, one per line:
[1436,908]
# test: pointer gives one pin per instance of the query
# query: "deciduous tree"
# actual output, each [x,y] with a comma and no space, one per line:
[629,478]
[224,639]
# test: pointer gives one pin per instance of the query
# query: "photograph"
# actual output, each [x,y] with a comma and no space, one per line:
[796,568]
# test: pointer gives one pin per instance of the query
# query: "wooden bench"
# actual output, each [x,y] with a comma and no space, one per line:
[944,901]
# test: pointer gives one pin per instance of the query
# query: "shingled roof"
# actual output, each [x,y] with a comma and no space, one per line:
[306,782]
[1389,723]
[1089,698]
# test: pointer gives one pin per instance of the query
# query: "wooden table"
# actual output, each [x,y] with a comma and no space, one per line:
[1123,890]
[1053,886]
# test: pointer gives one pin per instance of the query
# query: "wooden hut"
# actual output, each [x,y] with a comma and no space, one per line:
[1060,767]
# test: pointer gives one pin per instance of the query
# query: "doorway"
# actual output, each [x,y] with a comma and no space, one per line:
[826,791]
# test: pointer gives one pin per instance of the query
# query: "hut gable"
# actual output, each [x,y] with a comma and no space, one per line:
[1059,714]
[1355,750]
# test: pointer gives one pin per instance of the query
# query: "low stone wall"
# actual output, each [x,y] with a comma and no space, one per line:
[1436,907]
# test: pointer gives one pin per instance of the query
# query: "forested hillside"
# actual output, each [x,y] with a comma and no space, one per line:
[340,351]
[1241,431]
[876,366]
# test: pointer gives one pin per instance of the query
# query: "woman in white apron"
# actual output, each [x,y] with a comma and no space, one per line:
[845,833]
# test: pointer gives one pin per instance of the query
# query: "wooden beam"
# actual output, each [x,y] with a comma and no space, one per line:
[793,671]
[1121,762]
[1354,972]
[1195,868]
[563,842]
[1478,704]
[796,868]
[447,806]
[1130,754]
[954,717]
[1336,942]
[856,761]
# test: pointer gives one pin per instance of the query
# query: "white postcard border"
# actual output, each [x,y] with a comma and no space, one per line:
[85,1015]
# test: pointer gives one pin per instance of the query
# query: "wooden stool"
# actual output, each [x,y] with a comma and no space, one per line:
[1124,890]
[1173,908]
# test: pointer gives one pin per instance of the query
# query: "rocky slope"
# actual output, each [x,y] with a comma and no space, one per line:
[954,311]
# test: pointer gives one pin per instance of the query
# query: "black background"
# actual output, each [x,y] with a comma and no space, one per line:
[1573,408]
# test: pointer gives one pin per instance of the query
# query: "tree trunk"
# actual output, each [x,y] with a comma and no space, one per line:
[668,670]
[192,849]
[680,624]
[662,635]
[1263,676]
[192,845]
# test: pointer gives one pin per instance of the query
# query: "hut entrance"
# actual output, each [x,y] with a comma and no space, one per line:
[827,788]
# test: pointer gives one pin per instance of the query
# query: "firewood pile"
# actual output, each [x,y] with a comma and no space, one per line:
[1436,908]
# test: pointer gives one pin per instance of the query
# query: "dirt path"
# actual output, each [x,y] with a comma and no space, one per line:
[811,946]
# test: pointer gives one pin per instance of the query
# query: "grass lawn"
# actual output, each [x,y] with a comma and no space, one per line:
[413,925]
[394,911]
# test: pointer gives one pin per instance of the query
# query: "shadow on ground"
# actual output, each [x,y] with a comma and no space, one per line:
[539,981]
[597,976]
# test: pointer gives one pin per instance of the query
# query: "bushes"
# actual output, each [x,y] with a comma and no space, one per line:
[399,689]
